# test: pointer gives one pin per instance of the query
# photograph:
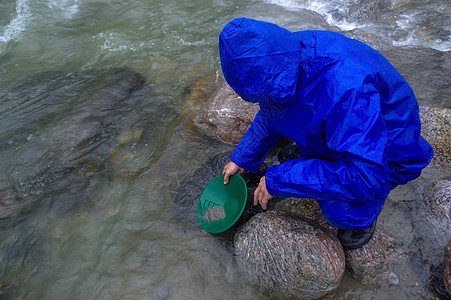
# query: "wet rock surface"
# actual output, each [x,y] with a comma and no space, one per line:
[436,129]
[199,93]
[290,257]
[432,217]
[379,261]
[372,263]
[426,71]
[307,208]
[226,116]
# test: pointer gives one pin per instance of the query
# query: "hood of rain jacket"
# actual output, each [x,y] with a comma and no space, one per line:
[352,115]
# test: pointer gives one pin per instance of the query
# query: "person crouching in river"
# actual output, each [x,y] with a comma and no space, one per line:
[353,117]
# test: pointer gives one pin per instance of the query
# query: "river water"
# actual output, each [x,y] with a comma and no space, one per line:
[95,138]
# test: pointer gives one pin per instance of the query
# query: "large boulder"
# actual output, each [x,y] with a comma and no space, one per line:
[372,263]
[436,129]
[307,208]
[290,257]
[226,116]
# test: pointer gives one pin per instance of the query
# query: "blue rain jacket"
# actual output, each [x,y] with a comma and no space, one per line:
[352,115]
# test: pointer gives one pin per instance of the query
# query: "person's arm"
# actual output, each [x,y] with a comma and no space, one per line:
[356,131]
[255,145]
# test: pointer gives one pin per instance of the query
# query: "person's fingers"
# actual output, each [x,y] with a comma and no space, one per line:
[264,202]
[226,177]
[261,195]
[256,192]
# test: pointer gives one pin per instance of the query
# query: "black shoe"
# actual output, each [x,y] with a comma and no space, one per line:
[288,153]
[355,238]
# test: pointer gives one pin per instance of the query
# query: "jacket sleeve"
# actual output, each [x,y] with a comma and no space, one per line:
[255,144]
[355,131]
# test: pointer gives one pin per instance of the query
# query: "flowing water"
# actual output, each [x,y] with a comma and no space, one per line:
[96,136]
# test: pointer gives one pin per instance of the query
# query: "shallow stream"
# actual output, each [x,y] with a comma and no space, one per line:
[96,136]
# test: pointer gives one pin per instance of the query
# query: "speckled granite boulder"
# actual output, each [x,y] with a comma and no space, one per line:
[436,129]
[226,116]
[307,208]
[290,257]
[371,263]
[447,270]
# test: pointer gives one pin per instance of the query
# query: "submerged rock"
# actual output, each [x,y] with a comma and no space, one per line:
[199,93]
[130,135]
[70,146]
[13,202]
[289,256]
[226,116]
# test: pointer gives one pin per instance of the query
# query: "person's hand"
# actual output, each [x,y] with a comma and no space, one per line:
[261,194]
[231,169]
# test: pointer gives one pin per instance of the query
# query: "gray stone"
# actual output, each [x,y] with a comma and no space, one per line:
[436,129]
[290,257]
[226,116]
[368,11]
[377,42]
[427,72]
[432,217]
[393,279]
[371,263]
